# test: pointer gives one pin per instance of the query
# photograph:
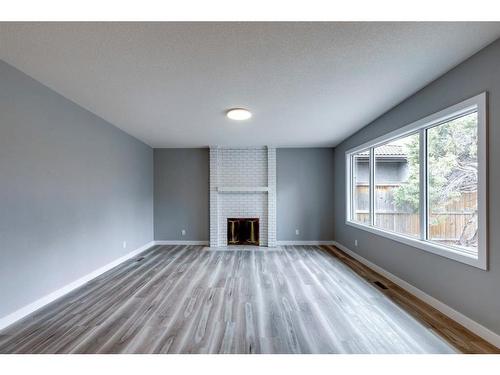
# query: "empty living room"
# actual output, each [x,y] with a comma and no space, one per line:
[231,186]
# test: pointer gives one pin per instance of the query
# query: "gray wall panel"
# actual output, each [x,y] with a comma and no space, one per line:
[304,186]
[73,188]
[181,193]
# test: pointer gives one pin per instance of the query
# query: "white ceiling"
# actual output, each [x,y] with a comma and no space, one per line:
[307,84]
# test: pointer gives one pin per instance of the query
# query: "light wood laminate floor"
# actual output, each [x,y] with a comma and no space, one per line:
[189,299]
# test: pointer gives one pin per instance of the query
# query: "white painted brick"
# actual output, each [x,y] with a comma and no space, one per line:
[242,167]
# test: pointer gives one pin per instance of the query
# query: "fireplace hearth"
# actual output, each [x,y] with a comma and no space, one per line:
[243,231]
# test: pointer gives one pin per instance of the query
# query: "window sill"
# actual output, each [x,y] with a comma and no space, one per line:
[447,252]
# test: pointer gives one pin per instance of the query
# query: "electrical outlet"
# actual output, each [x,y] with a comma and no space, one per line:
[297,232]
[356,243]
[124,244]
[183,232]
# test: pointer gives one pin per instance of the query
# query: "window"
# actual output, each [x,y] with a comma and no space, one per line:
[397,188]
[452,183]
[425,184]
[360,178]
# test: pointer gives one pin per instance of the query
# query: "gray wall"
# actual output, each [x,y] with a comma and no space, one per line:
[181,194]
[473,292]
[304,186]
[73,188]
[305,181]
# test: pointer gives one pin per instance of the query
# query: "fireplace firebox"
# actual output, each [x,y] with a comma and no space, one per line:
[243,231]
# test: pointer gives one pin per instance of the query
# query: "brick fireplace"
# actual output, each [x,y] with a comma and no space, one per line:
[242,186]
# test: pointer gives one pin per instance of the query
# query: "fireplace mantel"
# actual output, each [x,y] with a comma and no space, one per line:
[242,189]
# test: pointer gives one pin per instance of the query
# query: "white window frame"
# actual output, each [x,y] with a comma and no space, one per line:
[476,103]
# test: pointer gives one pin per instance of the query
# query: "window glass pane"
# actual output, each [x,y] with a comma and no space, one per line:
[397,190]
[452,184]
[360,187]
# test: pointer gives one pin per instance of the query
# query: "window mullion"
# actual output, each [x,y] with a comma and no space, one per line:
[423,177]
[372,186]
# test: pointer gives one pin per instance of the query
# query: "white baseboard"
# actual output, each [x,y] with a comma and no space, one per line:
[304,243]
[175,242]
[473,326]
[39,303]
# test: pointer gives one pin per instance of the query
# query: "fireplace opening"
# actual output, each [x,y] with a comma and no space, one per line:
[243,231]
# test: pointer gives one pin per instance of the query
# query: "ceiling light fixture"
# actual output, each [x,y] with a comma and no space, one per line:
[238,114]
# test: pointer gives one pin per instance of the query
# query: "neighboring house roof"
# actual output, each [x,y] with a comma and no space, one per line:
[388,150]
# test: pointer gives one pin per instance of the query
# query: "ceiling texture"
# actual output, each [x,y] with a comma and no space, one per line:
[307,84]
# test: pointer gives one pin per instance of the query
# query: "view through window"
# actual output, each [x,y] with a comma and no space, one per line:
[453,182]
[397,186]
[361,193]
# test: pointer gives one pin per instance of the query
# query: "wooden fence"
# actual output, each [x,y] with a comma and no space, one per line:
[445,225]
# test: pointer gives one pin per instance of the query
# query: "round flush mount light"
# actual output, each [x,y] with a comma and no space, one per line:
[238,114]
